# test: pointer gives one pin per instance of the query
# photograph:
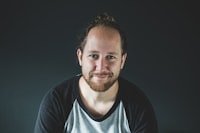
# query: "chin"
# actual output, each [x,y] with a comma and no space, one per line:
[101,87]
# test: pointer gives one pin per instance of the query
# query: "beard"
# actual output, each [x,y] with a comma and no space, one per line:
[101,86]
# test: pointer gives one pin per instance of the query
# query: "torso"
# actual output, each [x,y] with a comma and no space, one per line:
[79,120]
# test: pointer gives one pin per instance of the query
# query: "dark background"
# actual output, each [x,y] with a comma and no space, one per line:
[37,51]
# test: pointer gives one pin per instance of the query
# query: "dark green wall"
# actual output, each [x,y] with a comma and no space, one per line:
[37,50]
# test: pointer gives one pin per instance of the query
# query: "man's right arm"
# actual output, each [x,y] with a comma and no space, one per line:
[50,116]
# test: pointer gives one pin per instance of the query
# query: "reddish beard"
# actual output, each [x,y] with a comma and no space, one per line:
[100,87]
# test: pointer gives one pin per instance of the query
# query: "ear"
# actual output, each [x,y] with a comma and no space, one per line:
[79,55]
[123,60]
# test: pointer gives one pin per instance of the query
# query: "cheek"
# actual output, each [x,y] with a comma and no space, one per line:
[114,66]
[88,65]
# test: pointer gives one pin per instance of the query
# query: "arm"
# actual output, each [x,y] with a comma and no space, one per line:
[145,121]
[141,118]
[50,116]
[139,110]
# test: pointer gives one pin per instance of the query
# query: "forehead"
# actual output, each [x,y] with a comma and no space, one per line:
[103,38]
[103,30]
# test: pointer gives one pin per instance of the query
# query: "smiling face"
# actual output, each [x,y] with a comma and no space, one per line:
[101,59]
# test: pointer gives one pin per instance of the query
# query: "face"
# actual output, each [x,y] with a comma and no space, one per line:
[101,59]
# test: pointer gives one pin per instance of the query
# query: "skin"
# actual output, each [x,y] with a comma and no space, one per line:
[101,62]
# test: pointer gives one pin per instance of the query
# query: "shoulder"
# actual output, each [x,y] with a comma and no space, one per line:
[64,89]
[133,98]
[62,95]
[131,92]
[56,105]
[139,110]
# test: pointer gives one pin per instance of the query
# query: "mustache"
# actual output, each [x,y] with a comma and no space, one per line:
[101,74]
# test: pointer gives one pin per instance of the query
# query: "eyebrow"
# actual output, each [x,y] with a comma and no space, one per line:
[112,53]
[94,51]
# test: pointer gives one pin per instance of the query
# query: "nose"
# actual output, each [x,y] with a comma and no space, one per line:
[101,64]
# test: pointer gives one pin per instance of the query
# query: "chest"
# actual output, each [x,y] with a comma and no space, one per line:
[113,122]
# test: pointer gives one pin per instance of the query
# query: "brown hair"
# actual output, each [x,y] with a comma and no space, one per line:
[107,21]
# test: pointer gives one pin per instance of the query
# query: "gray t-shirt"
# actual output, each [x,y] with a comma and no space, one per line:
[62,111]
[79,121]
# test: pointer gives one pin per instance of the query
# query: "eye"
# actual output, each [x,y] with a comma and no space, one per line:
[94,56]
[110,57]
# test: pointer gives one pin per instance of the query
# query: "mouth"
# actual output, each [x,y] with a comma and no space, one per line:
[102,76]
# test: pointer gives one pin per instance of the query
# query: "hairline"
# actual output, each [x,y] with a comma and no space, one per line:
[103,26]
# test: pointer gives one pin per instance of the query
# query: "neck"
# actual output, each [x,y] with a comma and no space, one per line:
[97,103]
[93,96]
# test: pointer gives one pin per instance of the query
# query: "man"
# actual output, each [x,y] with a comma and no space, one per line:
[98,100]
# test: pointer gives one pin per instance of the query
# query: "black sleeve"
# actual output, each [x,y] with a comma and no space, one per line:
[139,110]
[145,121]
[51,114]
[56,106]
[141,117]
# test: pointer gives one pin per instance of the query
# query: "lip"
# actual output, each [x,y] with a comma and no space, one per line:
[100,77]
